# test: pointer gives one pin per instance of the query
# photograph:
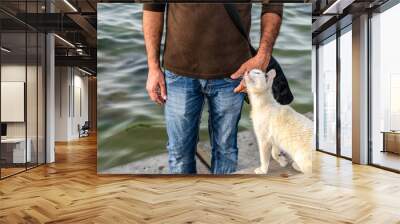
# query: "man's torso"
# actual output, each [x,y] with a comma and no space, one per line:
[203,42]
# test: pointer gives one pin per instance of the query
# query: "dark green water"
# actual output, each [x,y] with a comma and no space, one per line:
[130,126]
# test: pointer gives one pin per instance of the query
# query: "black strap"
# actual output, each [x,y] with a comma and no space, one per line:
[280,86]
[237,21]
[165,38]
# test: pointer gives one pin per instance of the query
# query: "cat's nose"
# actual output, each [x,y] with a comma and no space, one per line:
[256,72]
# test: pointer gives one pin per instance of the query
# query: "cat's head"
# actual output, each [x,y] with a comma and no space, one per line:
[257,82]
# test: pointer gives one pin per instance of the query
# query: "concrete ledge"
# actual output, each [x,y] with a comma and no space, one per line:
[248,160]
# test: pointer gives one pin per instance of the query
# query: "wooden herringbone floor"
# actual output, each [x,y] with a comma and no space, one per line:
[70,191]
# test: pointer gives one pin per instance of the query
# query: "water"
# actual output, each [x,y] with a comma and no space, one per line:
[131,127]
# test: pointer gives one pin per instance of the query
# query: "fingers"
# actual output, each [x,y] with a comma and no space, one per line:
[241,88]
[156,87]
[160,92]
[160,98]
[155,96]
[239,72]
[163,90]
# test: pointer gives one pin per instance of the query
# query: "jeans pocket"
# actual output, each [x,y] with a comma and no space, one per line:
[170,75]
[232,80]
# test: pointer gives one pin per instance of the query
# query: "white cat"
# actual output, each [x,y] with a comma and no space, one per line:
[278,127]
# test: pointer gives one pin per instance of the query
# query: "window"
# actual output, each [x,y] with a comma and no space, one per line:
[385,89]
[327,96]
[22,78]
[346,93]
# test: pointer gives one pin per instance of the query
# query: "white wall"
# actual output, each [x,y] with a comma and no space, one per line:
[82,83]
[33,126]
[14,73]
[13,101]
[62,81]
[70,84]
[17,73]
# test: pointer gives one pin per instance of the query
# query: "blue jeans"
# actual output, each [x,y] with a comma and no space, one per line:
[183,109]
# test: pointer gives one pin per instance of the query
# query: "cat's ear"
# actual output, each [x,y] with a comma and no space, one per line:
[271,75]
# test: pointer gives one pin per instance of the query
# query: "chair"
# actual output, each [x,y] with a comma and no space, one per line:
[84,130]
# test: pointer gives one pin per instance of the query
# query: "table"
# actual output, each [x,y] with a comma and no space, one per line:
[391,141]
[18,149]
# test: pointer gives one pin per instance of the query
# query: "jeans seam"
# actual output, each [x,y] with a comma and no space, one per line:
[198,135]
[211,136]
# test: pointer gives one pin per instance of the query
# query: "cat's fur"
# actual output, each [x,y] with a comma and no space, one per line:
[278,127]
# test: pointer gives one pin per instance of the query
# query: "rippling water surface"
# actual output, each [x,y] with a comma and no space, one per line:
[131,127]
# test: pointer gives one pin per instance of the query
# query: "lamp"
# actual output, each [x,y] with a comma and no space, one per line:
[337,7]
[70,5]
[5,50]
[84,71]
[64,40]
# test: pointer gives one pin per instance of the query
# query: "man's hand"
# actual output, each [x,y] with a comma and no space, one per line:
[260,61]
[155,86]
[270,25]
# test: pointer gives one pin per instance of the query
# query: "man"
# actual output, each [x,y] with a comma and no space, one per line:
[204,57]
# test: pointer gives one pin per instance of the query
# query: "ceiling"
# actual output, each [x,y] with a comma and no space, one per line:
[75,23]
[329,16]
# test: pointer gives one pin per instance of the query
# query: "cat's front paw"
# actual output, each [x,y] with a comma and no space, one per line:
[282,160]
[260,170]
